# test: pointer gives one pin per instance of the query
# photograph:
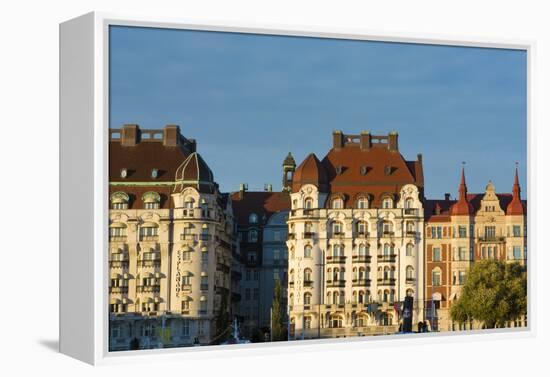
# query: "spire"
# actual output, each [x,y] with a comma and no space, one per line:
[462,207]
[515,207]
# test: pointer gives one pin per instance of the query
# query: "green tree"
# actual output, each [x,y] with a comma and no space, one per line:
[277,326]
[223,325]
[495,292]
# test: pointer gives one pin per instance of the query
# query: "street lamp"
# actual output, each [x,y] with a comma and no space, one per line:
[321,284]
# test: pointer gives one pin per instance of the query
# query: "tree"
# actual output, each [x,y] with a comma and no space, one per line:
[277,325]
[495,292]
[223,320]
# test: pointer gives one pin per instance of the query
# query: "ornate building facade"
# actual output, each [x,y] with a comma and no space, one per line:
[461,232]
[355,239]
[171,241]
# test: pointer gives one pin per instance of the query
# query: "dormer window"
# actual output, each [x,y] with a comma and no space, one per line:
[387,170]
[339,169]
[362,203]
[123,173]
[337,203]
[151,200]
[387,202]
[308,203]
[253,218]
[154,173]
[364,170]
[119,200]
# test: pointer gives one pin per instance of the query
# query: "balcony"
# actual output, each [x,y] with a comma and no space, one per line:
[118,290]
[186,287]
[308,235]
[387,258]
[291,236]
[117,238]
[491,239]
[411,233]
[308,283]
[115,263]
[361,282]
[362,235]
[388,233]
[204,237]
[309,213]
[386,281]
[188,237]
[188,213]
[410,280]
[143,238]
[148,288]
[338,259]
[361,258]
[338,235]
[149,263]
[291,284]
[336,283]
[411,211]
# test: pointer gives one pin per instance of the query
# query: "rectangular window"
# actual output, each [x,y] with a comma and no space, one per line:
[185,327]
[517,252]
[276,235]
[256,294]
[490,232]
[200,330]
[276,256]
[463,254]
[436,254]
[276,274]
[517,231]
[247,275]
[462,232]
[252,257]
[247,294]
[256,275]
[436,232]
[461,277]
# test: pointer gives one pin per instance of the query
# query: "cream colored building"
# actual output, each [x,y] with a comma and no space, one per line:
[170,242]
[355,239]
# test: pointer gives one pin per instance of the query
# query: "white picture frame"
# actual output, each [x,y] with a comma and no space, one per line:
[84,179]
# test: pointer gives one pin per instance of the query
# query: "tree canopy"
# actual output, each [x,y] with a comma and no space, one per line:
[277,327]
[495,292]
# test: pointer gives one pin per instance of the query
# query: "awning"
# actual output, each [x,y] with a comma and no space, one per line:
[149,225]
[118,225]
[186,273]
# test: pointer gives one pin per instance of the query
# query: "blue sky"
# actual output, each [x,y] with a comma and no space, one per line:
[250,99]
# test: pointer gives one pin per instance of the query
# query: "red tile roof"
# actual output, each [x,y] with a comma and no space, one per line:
[262,203]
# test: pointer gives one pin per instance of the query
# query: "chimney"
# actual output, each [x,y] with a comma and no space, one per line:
[365,142]
[447,196]
[171,135]
[192,145]
[392,141]
[242,189]
[129,136]
[419,157]
[268,187]
[337,139]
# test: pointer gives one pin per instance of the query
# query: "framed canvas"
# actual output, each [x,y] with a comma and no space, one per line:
[246,188]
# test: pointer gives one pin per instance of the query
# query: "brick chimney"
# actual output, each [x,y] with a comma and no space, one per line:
[392,141]
[447,196]
[171,135]
[365,142]
[129,135]
[337,139]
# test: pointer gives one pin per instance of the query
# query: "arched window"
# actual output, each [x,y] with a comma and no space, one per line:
[409,203]
[361,297]
[337,227]
[335,298]
[380,295]
[151,200]
[337,203]
[410,250]
[361,228]
[367,296]
[253,236]
[308,203]
[392,295]
[307,298]
[410,273]
[291,299]
[436,277]
[387,202]
[361,273]
[335,274]
[386,273]
[337,250]
[119,200]
[335,321]
[342,274]
[387,227]
[117,230]
[379,275]
[410,292]
[307,251]
[362,203]
[291,276]
[386,319]
[362,250]
[410,226]
[253,218]
[392,273]
[387,250]
[307,275]
[367,273]
[149,230]
[189,203]
[386,295]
